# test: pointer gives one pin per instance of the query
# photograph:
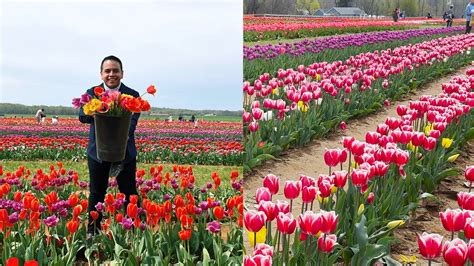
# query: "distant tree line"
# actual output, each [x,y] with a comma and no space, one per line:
[412,8]
[20,109]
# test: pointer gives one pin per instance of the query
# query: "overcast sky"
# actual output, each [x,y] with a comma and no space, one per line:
[50,51]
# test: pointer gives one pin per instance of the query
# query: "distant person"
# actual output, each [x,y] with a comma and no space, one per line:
[193,118]
[170,118]
[449,16]
[469,12]
[196,123]
[54,120]
[396,14]
[180,118]
[402,14]
[429,15]
[39,115]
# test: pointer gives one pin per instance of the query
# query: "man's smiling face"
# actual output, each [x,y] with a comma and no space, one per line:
[111,73]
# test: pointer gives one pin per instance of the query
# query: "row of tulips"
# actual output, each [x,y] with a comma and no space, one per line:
[348,215]
[269,58]
[455,251]
[249,19]
[298,105]
[180,143]
[44,217]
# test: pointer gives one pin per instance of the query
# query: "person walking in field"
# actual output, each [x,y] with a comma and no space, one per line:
[469,12]
[39,115]
[449,16]
[396,14]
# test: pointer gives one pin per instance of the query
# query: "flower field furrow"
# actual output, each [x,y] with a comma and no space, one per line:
[172,220]
[348,215]
[295,106]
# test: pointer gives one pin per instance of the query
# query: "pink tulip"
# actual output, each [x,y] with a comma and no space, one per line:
[310,223]
[292,189]
[269,208]
[282,206]
[386,102]
[246,116]
[470,249]
[286,224]
[435,134]
[469,228]
[329,221]
[402,110]
[452,220]
[271,182]
[309,194]
[328,241]
[343,125]
[257,260]
[370,198]
[340,178]
[263,194]
[307,181]
[469,173]
[325,188]
[263,249]
[401,157]
[430,245]
[455,252]
[429,143]
[253,126]
[383,129]
[380,168]
[254,220]
[466,200]
[331,157]
[360,177]
[257,113]
[418,139]
[357,148]
[347,142]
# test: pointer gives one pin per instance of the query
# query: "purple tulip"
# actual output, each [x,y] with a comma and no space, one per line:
[214,227]
[51,221]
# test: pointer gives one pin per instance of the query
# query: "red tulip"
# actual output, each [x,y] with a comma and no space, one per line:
[254,220]
[370,198]
[331,157]
[418,139]
[263,249]
[380,168]
[452,220]
[429,143]
[329,221]
[218,212]
[271,182]
[382,129]
[307,181]
[253,126]
[94,215]
[269,208]
[435,134]
[372,137]
[325,188]
[132,210]
[430,245]
[392,122]
[310,223]
[347,142]
[343,125]
[469,228]
[401,157]
[328,241]
[469,173]
[292,189]
[286,224]
[455,252]
[257,113]
[262,194]
[466,200]
[309,194]
[402,110]
[72,226]
[246,116]
[357,148]
[340,178]
[470,246]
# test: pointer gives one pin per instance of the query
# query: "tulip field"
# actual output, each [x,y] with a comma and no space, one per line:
[210,143]
[371,188]
[294,106]
[43,219]
[268,28]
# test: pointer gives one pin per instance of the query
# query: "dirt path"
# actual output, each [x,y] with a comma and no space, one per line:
[309,159]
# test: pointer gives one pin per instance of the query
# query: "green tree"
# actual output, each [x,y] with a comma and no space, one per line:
[410,7]
[310,5]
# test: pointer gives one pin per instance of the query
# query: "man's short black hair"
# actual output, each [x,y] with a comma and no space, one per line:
[113,58]
[42,109]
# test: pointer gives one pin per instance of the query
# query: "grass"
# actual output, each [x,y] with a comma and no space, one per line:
[202,173]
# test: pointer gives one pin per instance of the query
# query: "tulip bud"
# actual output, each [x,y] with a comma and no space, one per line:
[393,224]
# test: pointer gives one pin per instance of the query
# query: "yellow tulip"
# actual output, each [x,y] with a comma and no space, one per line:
[320,199]
[92,106]
[428,128]
[333,189]
[411,147]
[302,106]
[361,209]
[406,260]
[446,143]
[318,77]
[275,91]
[453,158]
[260,236]
[394,224]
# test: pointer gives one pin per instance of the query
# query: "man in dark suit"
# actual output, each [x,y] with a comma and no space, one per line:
[111,72]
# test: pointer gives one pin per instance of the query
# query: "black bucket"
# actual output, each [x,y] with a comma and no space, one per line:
[111,136]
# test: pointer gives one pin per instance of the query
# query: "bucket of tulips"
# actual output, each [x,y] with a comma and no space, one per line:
[112,111]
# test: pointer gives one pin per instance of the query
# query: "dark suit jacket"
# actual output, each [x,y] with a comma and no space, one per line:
[131,149]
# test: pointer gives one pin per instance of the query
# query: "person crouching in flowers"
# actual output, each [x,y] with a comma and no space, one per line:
[111,72]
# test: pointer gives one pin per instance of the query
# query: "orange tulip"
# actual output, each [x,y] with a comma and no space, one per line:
[73,200]
[132,210]
[134,199]
[119,217]
[72,226]
[178,201]
[151,90]
[185,234]
[94,215]
[77,211]
[186,221]
[218,212]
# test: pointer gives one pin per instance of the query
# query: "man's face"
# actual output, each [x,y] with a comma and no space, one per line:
[111,73]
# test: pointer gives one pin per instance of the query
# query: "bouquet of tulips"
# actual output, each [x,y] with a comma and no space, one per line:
[112,102]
